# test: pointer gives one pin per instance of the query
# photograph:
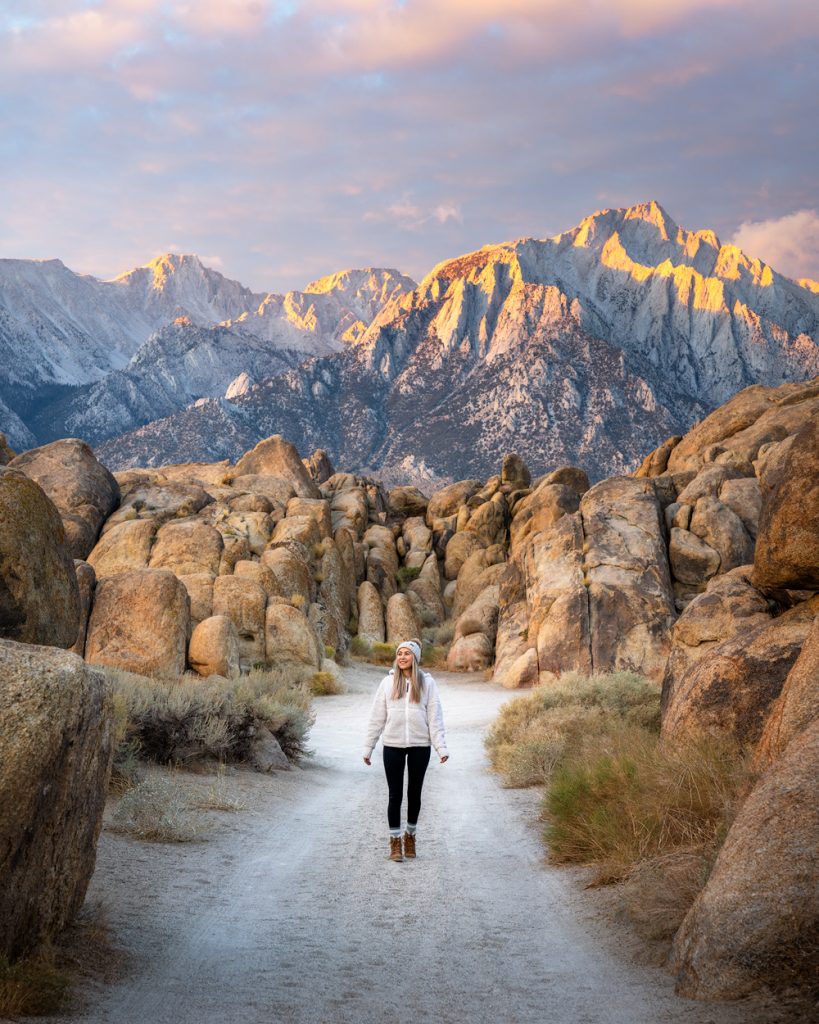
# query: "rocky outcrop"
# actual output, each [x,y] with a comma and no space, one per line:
[55,751]
[125,546]
[730,605]
[276,456]
[787,552]
[243,601]
[401,620]
[797,705]
[83,490]
[729,691]
[86,584]
[140,623]
[371,627]
[39,596]
[187,547]
[755,923]
[597,585]
[319,467]
[290,637]
[214,647]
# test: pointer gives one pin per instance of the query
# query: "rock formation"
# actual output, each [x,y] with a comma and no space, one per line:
[55,751]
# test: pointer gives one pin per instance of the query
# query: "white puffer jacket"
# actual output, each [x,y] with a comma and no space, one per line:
[400,723]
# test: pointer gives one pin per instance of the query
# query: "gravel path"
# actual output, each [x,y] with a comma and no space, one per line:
[291,912]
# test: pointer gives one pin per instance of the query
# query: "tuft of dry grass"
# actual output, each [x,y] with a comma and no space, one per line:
[325,684]
[34,986]
[157,810]
[360,648]
[382,654]
[434,656]
[220,797]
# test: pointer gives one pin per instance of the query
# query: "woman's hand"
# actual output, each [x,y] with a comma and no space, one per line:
[367,761]
[444,759]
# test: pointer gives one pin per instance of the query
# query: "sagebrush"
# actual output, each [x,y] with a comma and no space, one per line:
[180,720]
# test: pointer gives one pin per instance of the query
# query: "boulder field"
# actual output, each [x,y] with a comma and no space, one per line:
[700,571]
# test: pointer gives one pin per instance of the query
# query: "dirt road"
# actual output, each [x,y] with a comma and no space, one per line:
[291,913]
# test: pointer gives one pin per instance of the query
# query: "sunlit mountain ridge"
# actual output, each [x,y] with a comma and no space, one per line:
[587,346]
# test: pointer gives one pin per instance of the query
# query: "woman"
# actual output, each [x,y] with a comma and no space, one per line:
[407,710]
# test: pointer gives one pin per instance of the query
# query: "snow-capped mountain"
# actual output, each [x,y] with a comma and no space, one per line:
[96,358]
[589,347]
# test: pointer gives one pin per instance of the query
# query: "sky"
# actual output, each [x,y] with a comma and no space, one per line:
[285,140]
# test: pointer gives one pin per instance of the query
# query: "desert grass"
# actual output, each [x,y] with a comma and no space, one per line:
[530,735]
[220,796]
[182,720]
[624,798]
[617,798]
[325,684]
[157,810]
[34,986]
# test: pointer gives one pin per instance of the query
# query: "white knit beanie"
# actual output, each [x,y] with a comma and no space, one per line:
[413,646]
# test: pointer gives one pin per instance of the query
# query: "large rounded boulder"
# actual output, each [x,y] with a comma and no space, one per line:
[83,490]
[39,595]
[55,752]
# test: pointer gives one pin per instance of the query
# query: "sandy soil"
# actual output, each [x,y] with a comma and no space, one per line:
[291,912]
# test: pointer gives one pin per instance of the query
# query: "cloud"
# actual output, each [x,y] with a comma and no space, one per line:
[297,137]
[790,244]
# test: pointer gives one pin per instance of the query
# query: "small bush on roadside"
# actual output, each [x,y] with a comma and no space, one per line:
[182,720]
[527,739]
[157,810]
[329,651]
[433,656]
[219,796]
[360,648]
[34,986]
[382,654]
[445,633]
[325,684]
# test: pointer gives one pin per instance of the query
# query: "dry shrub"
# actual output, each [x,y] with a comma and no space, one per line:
[433,656]
[325,684]
[406,574]
[529,736]
[157,810]
[620,797]
[360,648]
[659,892]
[220,797]
[34,986]
[382,654]
[177,721]
[445,633]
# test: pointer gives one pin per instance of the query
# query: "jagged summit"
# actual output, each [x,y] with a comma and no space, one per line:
[584,346]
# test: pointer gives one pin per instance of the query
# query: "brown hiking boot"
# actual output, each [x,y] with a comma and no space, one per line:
[395,848]
[409,844]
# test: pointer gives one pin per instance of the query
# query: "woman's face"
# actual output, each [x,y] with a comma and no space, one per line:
[404,659]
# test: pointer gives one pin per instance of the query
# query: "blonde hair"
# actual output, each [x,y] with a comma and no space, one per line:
[399,680]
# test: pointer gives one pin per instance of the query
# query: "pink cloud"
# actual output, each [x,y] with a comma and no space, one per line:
[790,244]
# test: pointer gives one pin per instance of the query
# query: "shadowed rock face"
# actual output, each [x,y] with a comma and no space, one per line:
[798,704]
[39,596]
[757,919]
[83,490]
[55,751]
[787,549]
[729,691]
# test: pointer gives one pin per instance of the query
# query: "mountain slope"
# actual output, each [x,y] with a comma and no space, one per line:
[587,347]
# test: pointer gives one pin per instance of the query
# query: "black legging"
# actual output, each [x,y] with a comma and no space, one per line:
[417,759]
